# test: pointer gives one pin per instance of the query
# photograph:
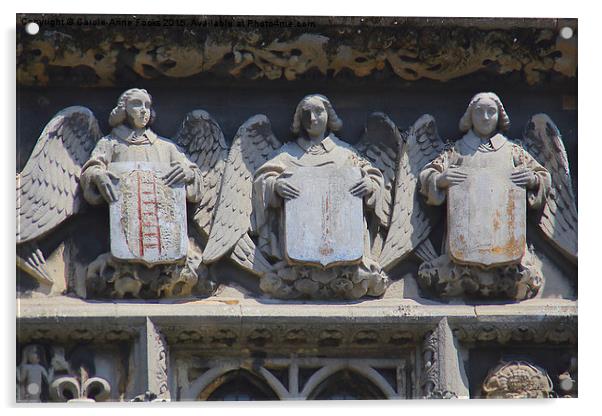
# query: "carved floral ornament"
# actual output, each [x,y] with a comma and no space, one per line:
[311,216]
[64,383]
[517,380]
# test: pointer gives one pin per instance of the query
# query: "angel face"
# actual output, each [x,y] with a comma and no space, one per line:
[33,357]
[138,108]
[314,117]
[484,117]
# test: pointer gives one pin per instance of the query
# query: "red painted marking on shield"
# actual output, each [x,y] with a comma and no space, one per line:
[148,213]
[140,233]
[157,213]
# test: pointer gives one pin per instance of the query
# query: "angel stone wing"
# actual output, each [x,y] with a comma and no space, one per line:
[381,144]
[48,187]
[252,146]
[203,141]
[558,219]
[409,226]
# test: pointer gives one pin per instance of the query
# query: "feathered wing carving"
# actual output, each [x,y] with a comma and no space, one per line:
[409,226]
[203,141]
[252,146]
[558,219]
[380,144]
[48,187]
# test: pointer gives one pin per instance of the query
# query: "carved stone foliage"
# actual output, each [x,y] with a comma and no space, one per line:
[293,337]
[517,380]
[534,332]
[453,280]
[53,377]
[154,369]
[80,389]
[108,277]
[241,47]
[443,373]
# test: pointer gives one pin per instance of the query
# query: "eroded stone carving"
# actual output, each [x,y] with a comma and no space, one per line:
[57,381]
[294,233]
[402,49]
[82,388]
[567,381]
[517,380]
[145,179]
[443,375]
[31,374]
[488,183]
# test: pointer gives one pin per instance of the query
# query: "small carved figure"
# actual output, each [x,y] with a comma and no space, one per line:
[488,181]
[145,179]
[567,381]
[31,374]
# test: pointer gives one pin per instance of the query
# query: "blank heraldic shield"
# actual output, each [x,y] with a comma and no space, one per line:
[324,225]
[487,213]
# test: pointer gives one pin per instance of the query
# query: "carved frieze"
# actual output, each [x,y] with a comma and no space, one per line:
[251,48]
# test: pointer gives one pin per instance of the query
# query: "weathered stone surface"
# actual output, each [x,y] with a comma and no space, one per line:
[322,225]
[517,380]
[444,376]
[487,218]
[489,182]
[148,220]
[291,48]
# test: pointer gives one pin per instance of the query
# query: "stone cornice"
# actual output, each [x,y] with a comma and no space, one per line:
[247,323]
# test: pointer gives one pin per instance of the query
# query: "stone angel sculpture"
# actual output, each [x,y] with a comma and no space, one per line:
[491,186]
[316,217]
[146,180]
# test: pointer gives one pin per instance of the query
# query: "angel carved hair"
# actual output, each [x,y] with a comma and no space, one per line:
[486,180]
[71,165]
[132,139]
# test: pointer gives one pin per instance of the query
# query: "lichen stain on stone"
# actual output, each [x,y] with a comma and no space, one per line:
[513,246]
[496,221]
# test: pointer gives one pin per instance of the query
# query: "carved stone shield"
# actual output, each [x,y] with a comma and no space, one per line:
[487,217]
[148,221]
[325,224]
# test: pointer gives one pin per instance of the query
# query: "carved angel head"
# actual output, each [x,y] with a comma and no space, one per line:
[134,107]
[314,115]
[485,115]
